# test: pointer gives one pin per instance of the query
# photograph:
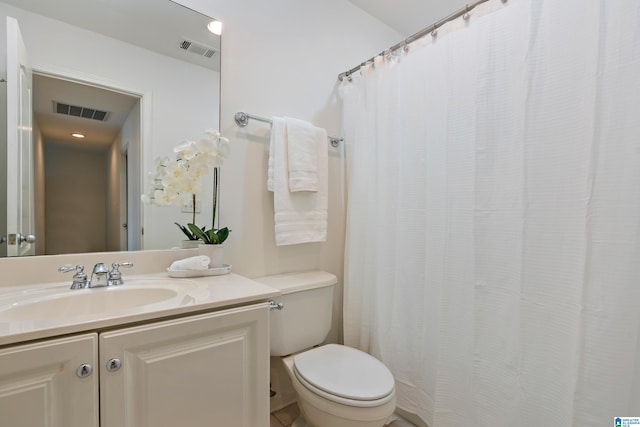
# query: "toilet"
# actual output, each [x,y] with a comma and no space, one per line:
[336,385]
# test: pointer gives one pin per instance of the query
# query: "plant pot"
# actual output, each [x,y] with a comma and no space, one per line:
[190,244]
[215,254]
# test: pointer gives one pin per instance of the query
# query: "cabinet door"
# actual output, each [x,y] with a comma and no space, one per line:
[39,384]
[204,370]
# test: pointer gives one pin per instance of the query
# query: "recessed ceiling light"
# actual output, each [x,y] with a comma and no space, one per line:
[215,27]
[77,135]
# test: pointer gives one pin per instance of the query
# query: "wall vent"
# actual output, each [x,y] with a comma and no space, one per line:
[83,112]
[197,48]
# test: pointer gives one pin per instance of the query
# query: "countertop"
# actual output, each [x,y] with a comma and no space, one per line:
[199,294]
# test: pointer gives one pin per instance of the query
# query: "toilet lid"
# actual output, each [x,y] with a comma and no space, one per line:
[345,372]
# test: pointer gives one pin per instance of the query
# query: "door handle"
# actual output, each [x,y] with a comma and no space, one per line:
[16,239]
[29,238]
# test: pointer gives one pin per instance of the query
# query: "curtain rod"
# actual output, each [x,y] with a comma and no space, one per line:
[242,119]
[430,29]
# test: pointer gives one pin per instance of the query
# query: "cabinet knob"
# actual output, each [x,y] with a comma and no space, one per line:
[113,365]
[84,370]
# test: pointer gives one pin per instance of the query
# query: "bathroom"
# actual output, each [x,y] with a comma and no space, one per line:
[281,58]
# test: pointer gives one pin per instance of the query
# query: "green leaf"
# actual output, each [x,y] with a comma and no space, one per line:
[222,234]
[186,232]
[199,233]
[213,237]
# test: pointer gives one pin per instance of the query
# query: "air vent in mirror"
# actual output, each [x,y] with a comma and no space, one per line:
[84,112]
[197,48]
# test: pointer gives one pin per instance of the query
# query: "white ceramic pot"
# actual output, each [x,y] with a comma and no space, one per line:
[215,254]
[190,244]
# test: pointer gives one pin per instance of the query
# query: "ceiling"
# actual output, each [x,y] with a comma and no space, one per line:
[409,16]
[58,128]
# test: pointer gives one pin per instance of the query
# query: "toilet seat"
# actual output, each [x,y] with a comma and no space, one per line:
[345,375]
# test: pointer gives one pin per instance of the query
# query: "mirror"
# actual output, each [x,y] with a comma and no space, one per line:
[152,69]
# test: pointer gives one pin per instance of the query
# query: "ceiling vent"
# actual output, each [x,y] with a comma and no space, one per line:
[197,48]
[84,112]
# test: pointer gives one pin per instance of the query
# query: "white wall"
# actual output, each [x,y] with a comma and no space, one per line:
[129,140]
[113,196]
[38,189]
[75,199]
[282,58]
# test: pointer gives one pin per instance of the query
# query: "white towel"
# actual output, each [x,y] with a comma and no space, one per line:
[300,217]
[303,139]
[276,123]
[200,262]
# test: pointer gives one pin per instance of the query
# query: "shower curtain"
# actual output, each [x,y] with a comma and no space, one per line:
[493,225]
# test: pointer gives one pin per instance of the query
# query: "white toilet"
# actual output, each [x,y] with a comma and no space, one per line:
[337,386]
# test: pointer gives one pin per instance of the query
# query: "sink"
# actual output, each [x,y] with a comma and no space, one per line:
[52,304]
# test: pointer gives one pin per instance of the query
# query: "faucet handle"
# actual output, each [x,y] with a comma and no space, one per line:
[117,265]
[115,276]
[79,279]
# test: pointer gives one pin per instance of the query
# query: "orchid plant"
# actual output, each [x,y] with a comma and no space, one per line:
[178,181]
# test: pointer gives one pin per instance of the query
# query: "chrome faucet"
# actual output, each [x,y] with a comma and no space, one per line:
[100,276]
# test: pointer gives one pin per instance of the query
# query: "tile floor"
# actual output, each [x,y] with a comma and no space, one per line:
[285,416]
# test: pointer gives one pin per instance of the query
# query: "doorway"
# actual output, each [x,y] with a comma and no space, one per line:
[83,133]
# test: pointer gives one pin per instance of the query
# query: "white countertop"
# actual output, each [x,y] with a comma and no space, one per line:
[201,293]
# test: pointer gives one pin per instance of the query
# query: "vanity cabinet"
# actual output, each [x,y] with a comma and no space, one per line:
[205,370]
[40,386]
[198,370]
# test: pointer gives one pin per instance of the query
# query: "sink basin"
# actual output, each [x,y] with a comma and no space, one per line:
[59,303]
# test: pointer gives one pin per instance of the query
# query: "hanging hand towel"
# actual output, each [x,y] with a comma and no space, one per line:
[276,123]
[300,217]
[303,139]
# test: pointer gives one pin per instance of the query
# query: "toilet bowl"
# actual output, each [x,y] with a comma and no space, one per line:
[336,386]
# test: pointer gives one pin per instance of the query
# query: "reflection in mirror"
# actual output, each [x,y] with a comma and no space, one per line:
[151,70]
[82,140]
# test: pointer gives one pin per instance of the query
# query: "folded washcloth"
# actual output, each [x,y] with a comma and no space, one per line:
[303,140]
[300,217]
[200,262]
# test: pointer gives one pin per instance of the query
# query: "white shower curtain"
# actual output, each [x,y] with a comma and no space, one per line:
[493,234]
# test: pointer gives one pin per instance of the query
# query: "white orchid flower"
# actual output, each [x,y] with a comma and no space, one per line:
[176,181]
[163,198]
[222,148]
[187,150]
[214,134]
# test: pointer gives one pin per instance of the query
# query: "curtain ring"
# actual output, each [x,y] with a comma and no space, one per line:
[466,14]
[434,33]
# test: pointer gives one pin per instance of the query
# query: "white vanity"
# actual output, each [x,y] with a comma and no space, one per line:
[195,353]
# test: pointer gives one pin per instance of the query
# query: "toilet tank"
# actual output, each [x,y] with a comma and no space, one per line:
[305,319]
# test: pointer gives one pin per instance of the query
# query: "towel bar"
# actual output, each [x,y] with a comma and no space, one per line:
[242,119]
